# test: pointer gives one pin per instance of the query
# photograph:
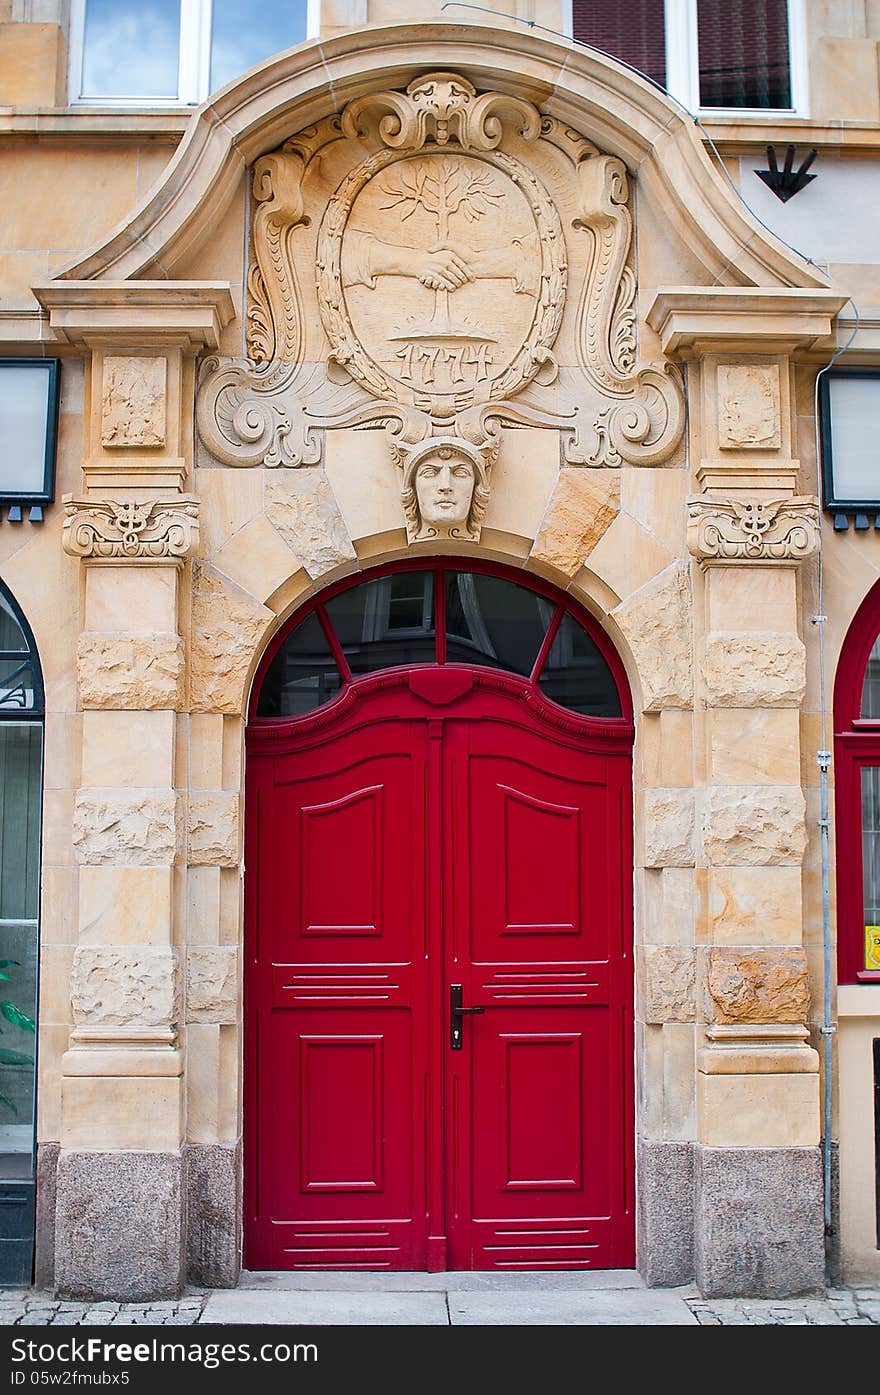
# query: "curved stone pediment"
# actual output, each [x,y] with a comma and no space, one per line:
[623,114]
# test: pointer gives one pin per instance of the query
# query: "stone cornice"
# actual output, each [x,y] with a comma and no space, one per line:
[190,314]
[131,530]
[752,530]
[734,319]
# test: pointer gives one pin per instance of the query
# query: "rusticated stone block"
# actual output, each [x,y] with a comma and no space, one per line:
[130,671]
[668,984]
[227,626]
[212,984]
[212,832]
[759,1230]
[115,986]
[656,622]
[665,1200]
[757,985]
[668,828]
[124,827]
[44,1236]
[754,825]
[582,508]
[754,669]
[119,1224]
[213,1214]
[303,508]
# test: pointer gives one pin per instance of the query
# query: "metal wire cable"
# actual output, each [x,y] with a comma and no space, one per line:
[558,33]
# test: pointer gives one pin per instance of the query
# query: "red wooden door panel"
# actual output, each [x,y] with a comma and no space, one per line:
[338,1125]
[538,936]
[435,830]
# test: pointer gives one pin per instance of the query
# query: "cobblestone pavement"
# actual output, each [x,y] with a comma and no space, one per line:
[841,1307]
[851,1307]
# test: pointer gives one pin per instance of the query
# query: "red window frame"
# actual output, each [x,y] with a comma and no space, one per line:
[856,744]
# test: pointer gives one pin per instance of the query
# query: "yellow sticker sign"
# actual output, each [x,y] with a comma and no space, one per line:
[872,947]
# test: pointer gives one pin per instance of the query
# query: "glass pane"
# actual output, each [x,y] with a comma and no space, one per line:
[632,30]
[244,32]
[24,398]
[854,409]
[576,675]
[493,622]
[871,686]
[743,49]
[303,674]
[12,640]
[16,685]
[131,48]
[20,782]
[871,863]
[387,622]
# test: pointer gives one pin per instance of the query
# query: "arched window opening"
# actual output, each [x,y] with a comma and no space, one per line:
[857,796]
[21,783]
[443,614]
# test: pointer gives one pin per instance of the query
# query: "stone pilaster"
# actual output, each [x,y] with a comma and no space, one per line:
[133,527]
[749,531]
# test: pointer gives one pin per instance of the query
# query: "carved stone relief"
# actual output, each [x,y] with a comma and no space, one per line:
[133,402]
[129,530]
[748,406]
[443,266]
[756,530]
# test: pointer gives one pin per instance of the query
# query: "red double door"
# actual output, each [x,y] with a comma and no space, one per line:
[437,830]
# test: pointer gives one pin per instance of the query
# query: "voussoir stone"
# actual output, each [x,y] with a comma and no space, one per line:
[756,825]
[757,985]
[227,626]
[125,827]
[668,828]
[656,623]
[582,508]
[301,505]
[754,669]
[119,986]
[140,671]
[212,984]
[668,984]
[212,831]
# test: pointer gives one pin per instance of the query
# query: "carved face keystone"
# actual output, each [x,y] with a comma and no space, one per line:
[444,489]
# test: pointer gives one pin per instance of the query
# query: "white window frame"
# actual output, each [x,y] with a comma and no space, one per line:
[194,60]
[683,69]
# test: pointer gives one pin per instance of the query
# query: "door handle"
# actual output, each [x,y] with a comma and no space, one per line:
[456,1013]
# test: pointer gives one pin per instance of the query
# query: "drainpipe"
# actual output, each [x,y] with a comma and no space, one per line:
[823,758]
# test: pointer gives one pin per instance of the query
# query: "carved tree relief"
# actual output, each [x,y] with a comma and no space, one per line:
[441,273]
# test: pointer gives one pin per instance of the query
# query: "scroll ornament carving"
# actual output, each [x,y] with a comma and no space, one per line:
[441,282]
[131,530]
[753,530]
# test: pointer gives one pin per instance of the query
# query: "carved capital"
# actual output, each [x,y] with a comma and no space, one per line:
[131,530]
[752,530]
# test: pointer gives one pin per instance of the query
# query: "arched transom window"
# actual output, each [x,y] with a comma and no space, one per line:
[441,614]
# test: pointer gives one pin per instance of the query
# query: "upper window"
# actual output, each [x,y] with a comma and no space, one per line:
[172,51]
[713,55]
[443,615]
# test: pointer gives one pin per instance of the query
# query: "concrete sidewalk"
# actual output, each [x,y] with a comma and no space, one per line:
[612,1297]
[605,1298]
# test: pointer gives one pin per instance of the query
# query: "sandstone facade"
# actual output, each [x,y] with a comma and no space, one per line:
[253,410]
